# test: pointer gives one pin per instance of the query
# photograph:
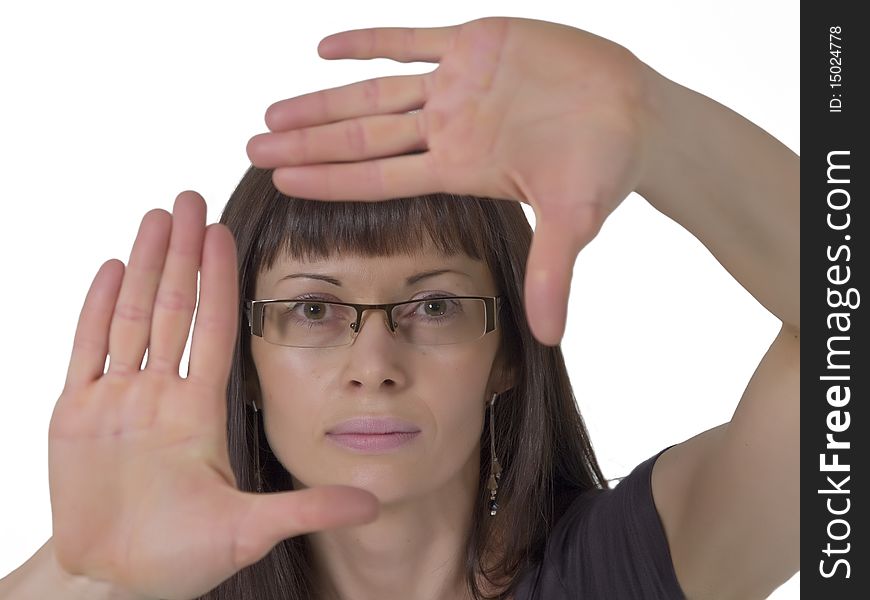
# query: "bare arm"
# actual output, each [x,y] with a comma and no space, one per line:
[729,497]
[732,185]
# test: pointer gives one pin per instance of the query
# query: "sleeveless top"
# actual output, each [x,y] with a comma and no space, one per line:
[608,545]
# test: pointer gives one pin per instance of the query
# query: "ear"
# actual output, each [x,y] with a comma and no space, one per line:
[252,386]
[503,376]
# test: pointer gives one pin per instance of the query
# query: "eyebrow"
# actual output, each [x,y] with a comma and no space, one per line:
[409,281]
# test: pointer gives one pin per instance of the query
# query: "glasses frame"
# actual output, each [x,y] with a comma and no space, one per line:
[255,314]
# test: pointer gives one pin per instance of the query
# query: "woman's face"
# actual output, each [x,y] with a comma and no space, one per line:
[442,390]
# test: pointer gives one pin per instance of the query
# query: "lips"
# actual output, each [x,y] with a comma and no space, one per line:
[372,426]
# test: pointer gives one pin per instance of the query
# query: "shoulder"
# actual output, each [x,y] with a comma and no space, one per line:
[720,545]
[609,543]
[729,497]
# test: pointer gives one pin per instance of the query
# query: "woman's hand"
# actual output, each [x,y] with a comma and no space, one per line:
[142,491]
[518,109]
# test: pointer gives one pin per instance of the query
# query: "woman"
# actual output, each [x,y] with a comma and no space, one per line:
[433,490]
[727,498]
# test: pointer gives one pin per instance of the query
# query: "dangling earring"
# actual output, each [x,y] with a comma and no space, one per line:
[495,468]
[257,447]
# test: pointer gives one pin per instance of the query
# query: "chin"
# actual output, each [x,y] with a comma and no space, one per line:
[389,483]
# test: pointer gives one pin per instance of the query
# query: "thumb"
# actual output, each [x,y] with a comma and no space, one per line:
[272,518]
[552,254]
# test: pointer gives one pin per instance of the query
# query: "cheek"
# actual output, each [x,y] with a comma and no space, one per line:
[292,402]
[460,423]
[285,380]
[455,392]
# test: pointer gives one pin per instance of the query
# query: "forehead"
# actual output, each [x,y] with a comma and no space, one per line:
[387,273]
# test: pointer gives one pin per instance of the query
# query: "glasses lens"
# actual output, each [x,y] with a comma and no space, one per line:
[308,324]
[438,321]
[429,322]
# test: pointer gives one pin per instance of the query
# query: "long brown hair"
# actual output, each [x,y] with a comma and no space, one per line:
[541,440]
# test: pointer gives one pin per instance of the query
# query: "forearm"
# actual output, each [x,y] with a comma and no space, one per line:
[733,186]
[41,577]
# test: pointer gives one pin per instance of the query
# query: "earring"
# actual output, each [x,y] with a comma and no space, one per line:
[495,468]
[257,447]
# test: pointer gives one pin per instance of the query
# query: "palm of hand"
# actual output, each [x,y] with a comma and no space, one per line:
[517,109]
[496,122]
[143,495]
[564,139]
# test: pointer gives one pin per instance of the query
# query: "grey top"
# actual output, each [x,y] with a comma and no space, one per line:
[608,545]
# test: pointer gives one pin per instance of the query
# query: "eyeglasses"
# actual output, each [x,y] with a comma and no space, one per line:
[431,321]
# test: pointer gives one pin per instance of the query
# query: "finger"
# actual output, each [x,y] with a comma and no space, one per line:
[353,140]
[384,95]
[555,245]
[275,517]
[381,179]
[91,341]
[402,44]
[214,332]
[131,322]
[176,294]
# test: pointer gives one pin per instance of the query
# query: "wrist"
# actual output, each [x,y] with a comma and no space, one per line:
[663,106]
[42,576]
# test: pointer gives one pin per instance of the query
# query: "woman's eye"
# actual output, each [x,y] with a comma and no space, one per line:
[308,310]
[315,310]
[434,307]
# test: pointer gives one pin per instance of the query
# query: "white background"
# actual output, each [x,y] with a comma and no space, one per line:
[110,109]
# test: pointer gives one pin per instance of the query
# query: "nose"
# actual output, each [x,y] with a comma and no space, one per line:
[366,315]
[372,362]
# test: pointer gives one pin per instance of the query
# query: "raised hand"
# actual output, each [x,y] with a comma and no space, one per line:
[517,109]
[142,491]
